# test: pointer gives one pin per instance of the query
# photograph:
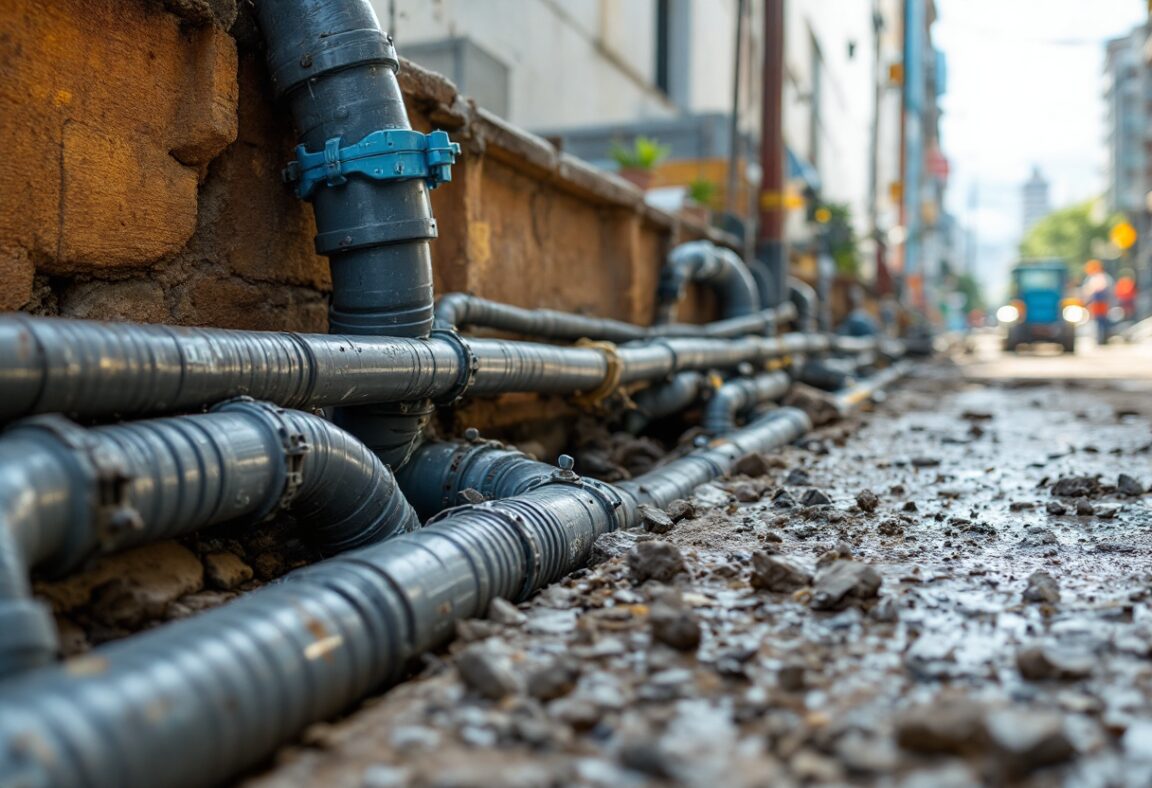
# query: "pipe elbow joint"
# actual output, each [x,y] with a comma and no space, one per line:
[452,311]
[27,629]
[29,639]
[720,413]
[330,478]
[686,262]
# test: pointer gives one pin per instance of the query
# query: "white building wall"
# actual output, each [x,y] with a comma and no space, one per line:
[571,62]
[834,134]
[578,63]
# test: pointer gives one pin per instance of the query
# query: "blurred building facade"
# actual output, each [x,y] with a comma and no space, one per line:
[1128,90]
[1128,123]
[1034,199]
[860,116]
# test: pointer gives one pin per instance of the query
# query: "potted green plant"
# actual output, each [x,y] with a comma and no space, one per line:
[637,162]
[700,197]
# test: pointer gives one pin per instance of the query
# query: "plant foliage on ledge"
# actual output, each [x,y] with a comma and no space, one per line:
[644,154]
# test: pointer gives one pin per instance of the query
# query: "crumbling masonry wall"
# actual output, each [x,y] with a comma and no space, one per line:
[141,181]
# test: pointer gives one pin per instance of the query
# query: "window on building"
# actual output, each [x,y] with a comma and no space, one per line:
[814,116]
[663,46]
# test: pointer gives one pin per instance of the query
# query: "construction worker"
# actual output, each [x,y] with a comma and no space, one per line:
[1097,294]
[1126,293]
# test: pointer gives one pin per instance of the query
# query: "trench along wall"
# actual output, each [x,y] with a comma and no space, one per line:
[141,182]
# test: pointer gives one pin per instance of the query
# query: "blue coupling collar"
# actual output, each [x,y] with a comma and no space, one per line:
[385,155]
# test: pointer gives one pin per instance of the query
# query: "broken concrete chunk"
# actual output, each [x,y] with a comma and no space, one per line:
[655,521]
[226,571]
[845,583]
[677,627]
[501,611]
[1076,487]
[1043,663]
[485,673]
[681,509]
[954,727]
[1042,588]
[554,680]
[814,497]
[655,560]
[778,574]
[867,500]
[753,464]
[1129,487]
[1023,740]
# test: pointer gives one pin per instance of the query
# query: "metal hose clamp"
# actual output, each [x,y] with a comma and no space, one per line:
[469,365]
[384,155]
[293,442]
[594,399]
[113,517]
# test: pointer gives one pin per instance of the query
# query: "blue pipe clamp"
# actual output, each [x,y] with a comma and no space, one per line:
[391,154]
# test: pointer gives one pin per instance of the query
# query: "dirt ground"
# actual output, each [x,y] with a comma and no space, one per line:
[951,590]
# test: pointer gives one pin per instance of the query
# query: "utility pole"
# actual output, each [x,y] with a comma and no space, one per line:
[734,147]
[771,249]
[874,142]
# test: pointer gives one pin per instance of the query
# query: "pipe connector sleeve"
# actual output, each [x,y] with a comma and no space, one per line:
[67,493]
[719,267]
[739,396]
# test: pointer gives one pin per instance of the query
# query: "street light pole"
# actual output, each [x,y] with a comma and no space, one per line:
[771,249]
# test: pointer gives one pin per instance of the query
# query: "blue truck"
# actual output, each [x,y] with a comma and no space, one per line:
[1039,310]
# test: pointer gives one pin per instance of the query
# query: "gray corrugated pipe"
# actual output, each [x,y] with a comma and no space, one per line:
[67,493]
[193,702]
[739,396]
[440,471]
[803,296]
[716,266]
[460,310]
[367,175]
[123,369]
[866,389]
[664,399]
[678,478]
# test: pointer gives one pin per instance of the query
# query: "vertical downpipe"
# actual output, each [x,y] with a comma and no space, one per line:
[337,70]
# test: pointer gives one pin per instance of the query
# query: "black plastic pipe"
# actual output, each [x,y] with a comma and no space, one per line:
[440,472]
[866,389]
[460,311]
[193,702]
[739,396]
[337,70]
[678,478]
[90,369]
[67,494]
[716,266]
[803,297]
[664,399]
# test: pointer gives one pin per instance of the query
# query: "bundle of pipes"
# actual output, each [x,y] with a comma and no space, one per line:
[190,703]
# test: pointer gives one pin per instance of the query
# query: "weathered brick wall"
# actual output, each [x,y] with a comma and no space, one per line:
[140,181]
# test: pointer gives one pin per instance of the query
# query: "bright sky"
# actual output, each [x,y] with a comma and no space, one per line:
[1025,86]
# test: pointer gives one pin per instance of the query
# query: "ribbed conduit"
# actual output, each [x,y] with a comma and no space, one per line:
[706,263]
[460,310]
[95,369]
[337,71]
[193,702]
[67,494]
[739,396]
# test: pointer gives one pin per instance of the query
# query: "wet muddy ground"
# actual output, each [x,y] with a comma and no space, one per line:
[951,590]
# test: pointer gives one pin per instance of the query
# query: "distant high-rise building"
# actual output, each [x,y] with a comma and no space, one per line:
[1035,198]
[1126,79]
